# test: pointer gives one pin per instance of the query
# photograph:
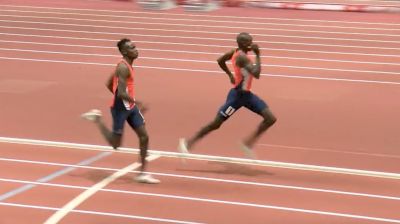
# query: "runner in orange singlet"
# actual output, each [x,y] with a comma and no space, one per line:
[240,95]
[124,107]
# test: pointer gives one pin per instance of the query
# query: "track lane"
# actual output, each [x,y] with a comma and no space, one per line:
[305,132]
[305,68]
[195,37]
[105,46]
[212,30]
[175,40]
[230,13]
[84,177]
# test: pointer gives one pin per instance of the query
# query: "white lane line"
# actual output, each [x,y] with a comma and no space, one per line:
[172,43]
[53,175]
[60,214]
[295,166]
[250,183]
[210,21]
[200,31]
[190,60]
[206,26]
[199,38]
[236,203]
[330,151]
[212,71]
[180,15]
[135,217]
[280,186]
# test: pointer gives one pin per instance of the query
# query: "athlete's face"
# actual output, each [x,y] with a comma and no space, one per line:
[245,42]
[131,50]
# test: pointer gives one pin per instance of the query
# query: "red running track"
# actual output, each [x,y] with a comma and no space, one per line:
[333,84]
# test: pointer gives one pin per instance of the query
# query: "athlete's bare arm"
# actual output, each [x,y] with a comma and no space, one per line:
[123,74]
[243,62]
[222,63]
[109,83]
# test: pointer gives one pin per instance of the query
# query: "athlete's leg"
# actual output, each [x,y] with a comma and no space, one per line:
[258,106]
[232,104]
[136,121]
[268,120]
[113,138]
[212,126]
[141,132]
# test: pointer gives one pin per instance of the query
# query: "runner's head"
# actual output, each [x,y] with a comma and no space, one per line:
[127,48]
[244,41]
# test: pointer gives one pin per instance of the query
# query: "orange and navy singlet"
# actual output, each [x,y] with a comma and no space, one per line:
[242,81]
[130,87]
[240,95]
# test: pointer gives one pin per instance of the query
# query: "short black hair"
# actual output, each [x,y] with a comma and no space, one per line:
[121,43]
[240,35]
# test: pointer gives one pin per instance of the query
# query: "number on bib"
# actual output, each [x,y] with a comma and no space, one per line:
[229,111]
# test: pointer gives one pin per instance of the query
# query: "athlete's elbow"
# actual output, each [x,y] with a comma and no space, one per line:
[109,87]
[257,74]
[221,63]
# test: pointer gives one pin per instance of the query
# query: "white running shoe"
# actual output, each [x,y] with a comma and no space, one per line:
[146,179]
[248,152]
[92,115]
[182,146]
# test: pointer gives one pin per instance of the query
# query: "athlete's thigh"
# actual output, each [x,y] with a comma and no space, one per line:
[135,118]
[119,117]
[268,115]
[255,103]
[232,104]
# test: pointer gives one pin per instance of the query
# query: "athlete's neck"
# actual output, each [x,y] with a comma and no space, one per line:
[129,60]
[245,50]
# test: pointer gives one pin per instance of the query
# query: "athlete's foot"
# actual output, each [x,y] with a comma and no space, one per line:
[92,115]
[248,152]
[146,179]
[183,146]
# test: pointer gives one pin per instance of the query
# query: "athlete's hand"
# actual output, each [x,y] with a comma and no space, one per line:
[142,107]
[255,49]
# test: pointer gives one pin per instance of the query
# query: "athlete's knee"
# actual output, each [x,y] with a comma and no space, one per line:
[269,120]
[273,120]
[144,138]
